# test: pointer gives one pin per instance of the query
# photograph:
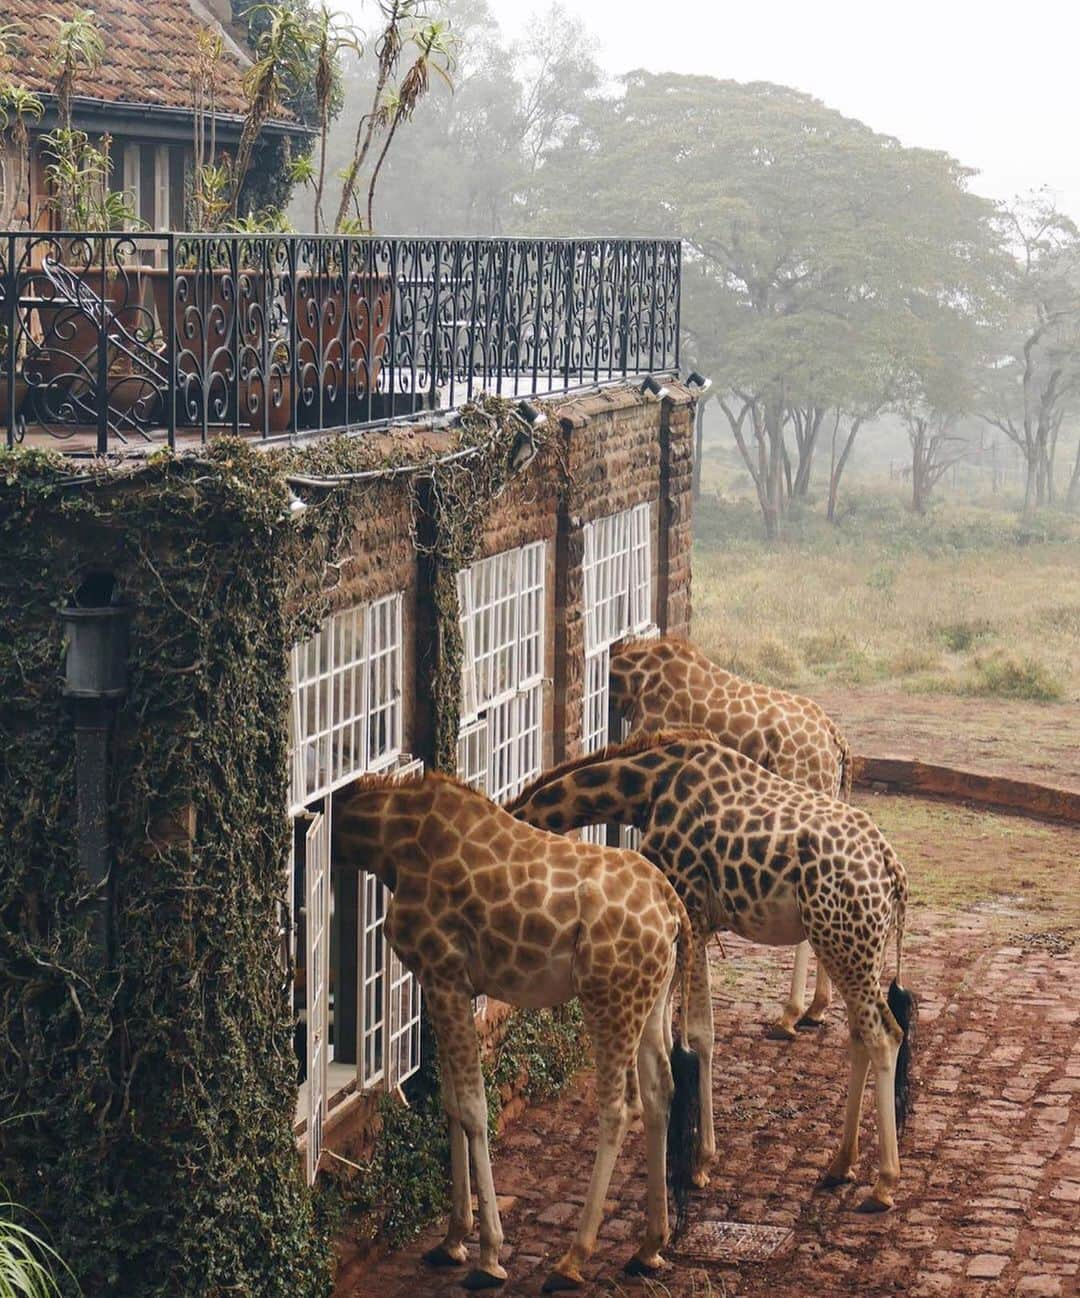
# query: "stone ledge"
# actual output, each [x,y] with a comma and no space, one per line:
[1001,792]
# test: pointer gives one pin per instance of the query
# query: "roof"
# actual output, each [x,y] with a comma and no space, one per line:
[149,51]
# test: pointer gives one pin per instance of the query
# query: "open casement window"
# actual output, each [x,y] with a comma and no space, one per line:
[503,601]
[358,1007]
[317,965]
[389,1051]
[618,593]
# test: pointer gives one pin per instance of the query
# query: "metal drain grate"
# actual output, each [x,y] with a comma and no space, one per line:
[733,1241]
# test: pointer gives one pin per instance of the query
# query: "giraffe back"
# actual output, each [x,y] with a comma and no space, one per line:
[657,684]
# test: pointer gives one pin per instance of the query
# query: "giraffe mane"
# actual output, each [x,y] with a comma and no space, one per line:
[387,781]
[640,643]
[639,742]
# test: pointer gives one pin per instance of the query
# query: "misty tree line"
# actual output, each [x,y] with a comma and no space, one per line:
[831,275]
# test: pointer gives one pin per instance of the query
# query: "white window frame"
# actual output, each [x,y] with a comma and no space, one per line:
[317,931]
[347,692]
[133,176]
[346,719]
[617,590]
[503,609]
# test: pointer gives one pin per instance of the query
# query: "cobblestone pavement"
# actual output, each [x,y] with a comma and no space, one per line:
[989,1203]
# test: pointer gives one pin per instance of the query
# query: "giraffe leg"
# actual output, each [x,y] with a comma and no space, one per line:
[841,1168]
[613,1058]
[700,1036]
[883,1052]
[784,1028]
[656,1087]
[463,1094]
[452,1251]
[815,1014]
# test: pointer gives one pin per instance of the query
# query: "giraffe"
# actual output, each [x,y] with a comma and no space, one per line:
[482,902]
[656,684]
[775,862]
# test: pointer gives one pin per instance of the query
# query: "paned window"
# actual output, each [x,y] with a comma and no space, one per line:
[618,602]
[346,719]
[347,712]
[503,601]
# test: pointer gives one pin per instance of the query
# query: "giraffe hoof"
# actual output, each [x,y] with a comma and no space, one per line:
[806,1023]
[559,1283]
[440,1255]
[477,1279]
[830,1181]
[870,1204]
[638,1268]
[780,1032]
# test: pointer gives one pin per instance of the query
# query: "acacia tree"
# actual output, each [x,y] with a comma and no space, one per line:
[809,237]
[1035,376]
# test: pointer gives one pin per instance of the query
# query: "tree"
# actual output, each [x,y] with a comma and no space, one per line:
[282,57]
[1035,376]
[464,164]
[808,238]
[406,22]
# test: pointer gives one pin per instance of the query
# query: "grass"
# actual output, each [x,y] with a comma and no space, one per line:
[968,601]
[28,1266]
[957,857]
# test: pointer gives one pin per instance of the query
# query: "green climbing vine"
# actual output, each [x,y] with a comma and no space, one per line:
[157,1094]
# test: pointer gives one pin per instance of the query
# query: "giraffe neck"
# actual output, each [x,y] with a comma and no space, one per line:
[370,822]
[618,789]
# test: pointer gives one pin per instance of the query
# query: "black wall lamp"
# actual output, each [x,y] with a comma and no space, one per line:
[696,380]
[655,389]
[95,679]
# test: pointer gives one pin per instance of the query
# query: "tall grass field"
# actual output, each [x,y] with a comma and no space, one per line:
[969,600]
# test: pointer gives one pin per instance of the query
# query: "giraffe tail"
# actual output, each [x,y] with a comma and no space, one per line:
[847,765]
[684,1116]
[905,1010]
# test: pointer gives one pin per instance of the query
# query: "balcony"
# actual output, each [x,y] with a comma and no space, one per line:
[111,343]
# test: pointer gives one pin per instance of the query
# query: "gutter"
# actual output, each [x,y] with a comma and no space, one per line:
[155,121]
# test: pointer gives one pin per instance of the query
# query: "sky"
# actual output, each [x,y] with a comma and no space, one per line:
[993,84]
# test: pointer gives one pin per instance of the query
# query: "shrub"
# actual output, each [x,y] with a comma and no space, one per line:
[1015,678]
[826,647]
[28,1266]
[963,634]
[912,659]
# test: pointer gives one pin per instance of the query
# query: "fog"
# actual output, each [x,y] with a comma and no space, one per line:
[992,84]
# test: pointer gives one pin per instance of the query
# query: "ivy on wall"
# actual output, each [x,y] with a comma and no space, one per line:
[152,1102]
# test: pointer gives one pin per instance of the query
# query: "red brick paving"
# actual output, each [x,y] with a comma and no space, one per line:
[989,1204]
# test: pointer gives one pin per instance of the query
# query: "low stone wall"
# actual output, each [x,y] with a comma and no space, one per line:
[999,792]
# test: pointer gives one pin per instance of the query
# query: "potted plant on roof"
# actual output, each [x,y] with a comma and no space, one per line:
[343,301]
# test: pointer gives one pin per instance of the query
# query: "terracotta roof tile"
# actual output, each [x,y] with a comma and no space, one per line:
[149,51]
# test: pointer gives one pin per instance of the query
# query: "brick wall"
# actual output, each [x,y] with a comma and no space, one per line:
[611,451]
[617,449]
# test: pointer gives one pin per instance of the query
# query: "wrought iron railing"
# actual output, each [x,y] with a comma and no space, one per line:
[112,340]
